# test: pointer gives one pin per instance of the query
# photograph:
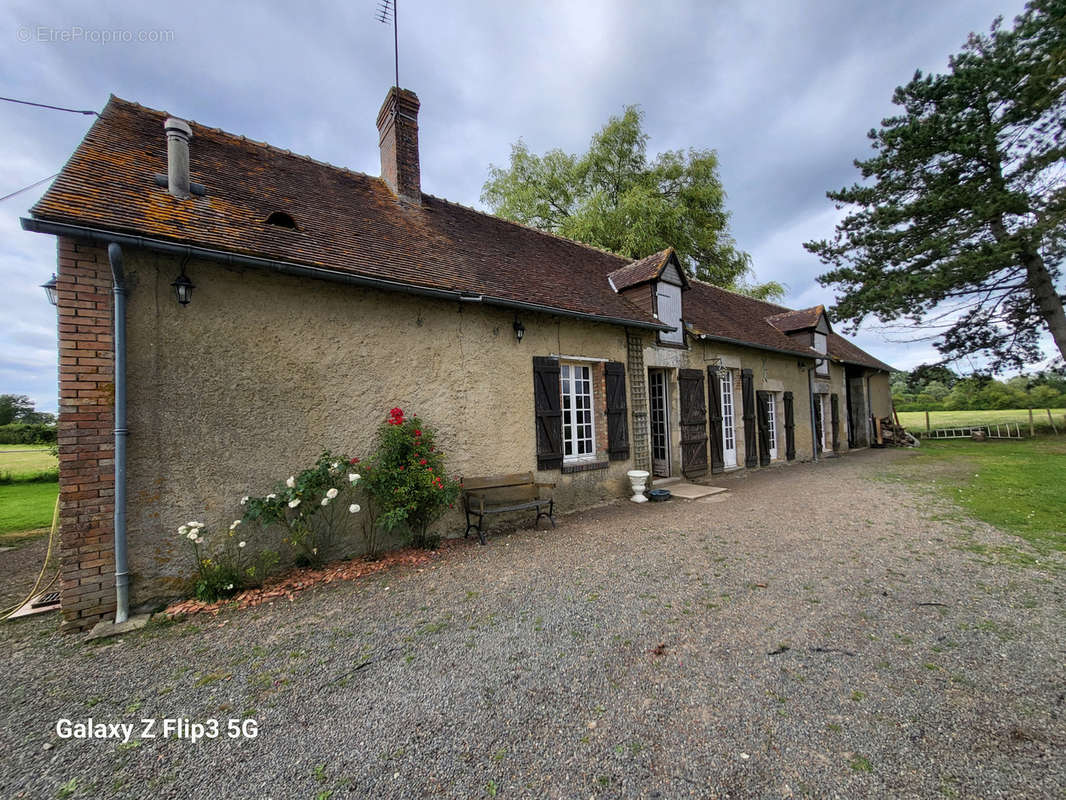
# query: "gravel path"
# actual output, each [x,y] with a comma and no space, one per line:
[820,632]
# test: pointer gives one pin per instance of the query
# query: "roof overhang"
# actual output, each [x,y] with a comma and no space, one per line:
[319,273]
[813,356]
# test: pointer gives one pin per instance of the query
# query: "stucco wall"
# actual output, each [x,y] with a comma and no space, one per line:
[261,372]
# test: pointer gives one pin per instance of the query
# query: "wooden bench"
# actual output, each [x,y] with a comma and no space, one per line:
[498,494]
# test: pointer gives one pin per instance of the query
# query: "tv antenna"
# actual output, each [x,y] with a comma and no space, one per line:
[387,13]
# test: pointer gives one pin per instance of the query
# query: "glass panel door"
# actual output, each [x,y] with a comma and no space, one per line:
[660,424]
[729,425]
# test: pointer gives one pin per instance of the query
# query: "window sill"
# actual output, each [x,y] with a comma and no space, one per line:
[570,467]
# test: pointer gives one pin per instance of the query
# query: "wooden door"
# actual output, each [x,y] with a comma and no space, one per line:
[693,422]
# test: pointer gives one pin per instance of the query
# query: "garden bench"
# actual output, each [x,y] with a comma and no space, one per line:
[498,494]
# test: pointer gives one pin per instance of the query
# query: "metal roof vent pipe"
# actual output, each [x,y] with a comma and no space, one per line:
[178,135]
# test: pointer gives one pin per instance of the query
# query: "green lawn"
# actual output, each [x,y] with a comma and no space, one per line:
[20,460]
[915,420]
[1018,486]
[26,507]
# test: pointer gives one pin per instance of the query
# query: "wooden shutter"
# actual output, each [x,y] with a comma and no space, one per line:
[763,416]
[790,427]
[617,411]
[548,408]
[714,394]
[693,422]
[747,386]
[834,411]
[816,401]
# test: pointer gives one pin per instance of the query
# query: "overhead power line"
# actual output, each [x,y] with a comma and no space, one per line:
[26,188]
[53,108]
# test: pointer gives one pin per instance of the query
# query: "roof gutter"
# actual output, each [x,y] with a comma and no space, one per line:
[319,273]
[739,343]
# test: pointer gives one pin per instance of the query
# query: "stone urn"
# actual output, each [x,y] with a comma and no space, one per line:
[638,479]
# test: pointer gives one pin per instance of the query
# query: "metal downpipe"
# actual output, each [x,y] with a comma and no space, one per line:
[122,578]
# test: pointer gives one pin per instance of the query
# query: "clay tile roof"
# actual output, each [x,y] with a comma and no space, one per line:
[346,221]
[843,350]
[797,320]
[722,314]
[646,269]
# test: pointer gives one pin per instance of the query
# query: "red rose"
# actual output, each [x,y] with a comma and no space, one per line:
[354,461]
[423,463]
[418,433]
[428,469]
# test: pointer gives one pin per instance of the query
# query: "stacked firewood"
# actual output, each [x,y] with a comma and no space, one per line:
[890,433]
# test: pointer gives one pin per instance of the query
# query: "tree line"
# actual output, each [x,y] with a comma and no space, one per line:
[934,387]
[21,423]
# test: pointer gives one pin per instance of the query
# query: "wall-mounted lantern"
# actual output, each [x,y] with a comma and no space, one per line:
[50,291]
[183,288]
[519,329]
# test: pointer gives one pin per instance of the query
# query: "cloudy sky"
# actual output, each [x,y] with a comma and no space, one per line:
[784,91]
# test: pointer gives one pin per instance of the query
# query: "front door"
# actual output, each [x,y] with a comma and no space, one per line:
[729,422]
[660,423]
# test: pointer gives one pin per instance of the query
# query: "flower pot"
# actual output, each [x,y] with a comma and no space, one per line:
[638,479]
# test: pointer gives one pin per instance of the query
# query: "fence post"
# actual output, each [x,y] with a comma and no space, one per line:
[1032,430]
[927,422]
[1051,419]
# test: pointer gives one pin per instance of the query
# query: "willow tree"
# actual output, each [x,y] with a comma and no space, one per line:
[959,224]
[614,197]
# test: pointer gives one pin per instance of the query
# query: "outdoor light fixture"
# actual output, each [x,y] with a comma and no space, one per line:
[49,287]
[183,288]
[519,329]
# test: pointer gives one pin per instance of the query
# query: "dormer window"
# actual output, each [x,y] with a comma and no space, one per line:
[282,220]
[668,304]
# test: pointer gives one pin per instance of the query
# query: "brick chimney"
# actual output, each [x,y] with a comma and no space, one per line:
[398,129]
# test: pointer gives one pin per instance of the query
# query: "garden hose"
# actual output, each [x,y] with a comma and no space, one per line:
[37,589]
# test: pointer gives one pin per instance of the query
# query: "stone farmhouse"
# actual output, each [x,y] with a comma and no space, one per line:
[227,310]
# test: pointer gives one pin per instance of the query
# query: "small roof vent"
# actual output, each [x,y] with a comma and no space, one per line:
[282,220]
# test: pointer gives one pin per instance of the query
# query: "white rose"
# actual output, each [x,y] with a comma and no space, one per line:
[271,496]
[244,500]
[331,493]
[291,481]
[199,539]
[353,508]
[334,465]
[195,524]
[192,535]
[241,544]
[353,477]
[325,501]
[184,529]
[294,502]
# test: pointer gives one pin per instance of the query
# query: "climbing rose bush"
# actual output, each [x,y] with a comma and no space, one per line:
[314,507]
[406,479]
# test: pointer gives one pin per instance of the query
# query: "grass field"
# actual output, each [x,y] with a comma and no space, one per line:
[26,507]
[915,420]
[1018,486]
[19,461]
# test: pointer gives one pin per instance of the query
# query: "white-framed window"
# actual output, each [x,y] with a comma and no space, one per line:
[579,437]
[771,421]
[821,344]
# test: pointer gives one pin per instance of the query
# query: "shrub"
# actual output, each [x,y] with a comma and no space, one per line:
[312,506]
[405,479]
[27,433]
[223,566]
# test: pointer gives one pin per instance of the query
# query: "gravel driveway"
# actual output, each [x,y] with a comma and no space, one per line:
[820,632]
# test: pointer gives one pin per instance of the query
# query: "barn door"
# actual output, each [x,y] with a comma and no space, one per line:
[693,422]
[818,437]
